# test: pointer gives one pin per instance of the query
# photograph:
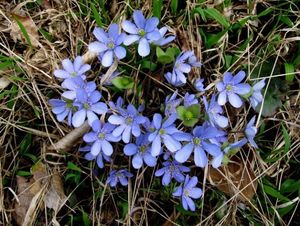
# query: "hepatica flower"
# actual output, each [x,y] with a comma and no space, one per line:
[118,176]
[172,170]
[100,138]
[189,99]
[214,112]
[183,64]
[199,85]
[163,132]
[188,191]
[90,157]
[144,31]
[231,88]
[256,96]
[62,108]
[128,122]
[141,152]
[108,44]
[72,85]
[171,104]
[251,131]
[72,69]
[163,41]
[199,143]
[89,105]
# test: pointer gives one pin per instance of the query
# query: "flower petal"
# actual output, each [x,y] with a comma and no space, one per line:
[79,118]
[113,31]
[151,24]
[107,58]
[130,149]
[129,27]
[238,77]
[100,35]
[222,98]
[97,47]
[183,154]
[120,52]
[234,100]
[68,65]
[156,146]
[137,161]
[139,19]
[129,39]
[200,157]
[144,47]
[96,148]
[107,148]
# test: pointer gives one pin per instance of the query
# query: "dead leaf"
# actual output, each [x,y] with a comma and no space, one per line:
[235,178]
[44,187]
[30,27]
[4,82]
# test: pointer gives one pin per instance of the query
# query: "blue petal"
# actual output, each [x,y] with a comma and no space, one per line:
[234,100]
[157,118]
[68,65]
[171,144]
[222,98]
[227,77]
[151,24]
[107,148]
[238,77]
[200,157]
[139,19]
[100,108]
[130,149]
[120,52]
[91,116]
[116,119]
[150,160]
[143,47]
[107,58]
[79,118]
[195,193]
[126,135]
[156,146]
[113,31]
[153,36]
[61,74]
[100,35]
[242,89]
[96,148]
[97,47]
[166,178]
[129,39]
[129,27]
[137,161]
[190,203]
[90,137]
[183,154]
[119,130]
[177,192]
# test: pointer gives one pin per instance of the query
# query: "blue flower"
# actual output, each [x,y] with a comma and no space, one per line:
[128,122]
[118,176]
[188,191]
[189,99]
[143,31]
[100,138]
[62,108]
[108,44]
[108,81]
[256,96]
[72,70]
[199,143]
[199,85]
[88,105]
[235,145]
[90,157]
[72,85]
[116,106]
[172,170]
[183,64]
[214,112]
[251,131]
[163,41]
[163,133]
[141,152]
[171,104]
[231,88]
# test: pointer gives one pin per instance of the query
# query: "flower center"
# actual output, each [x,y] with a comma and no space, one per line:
[162,132]
[111,45]
[142,148]
[188,115]
[229,88]
[197,141]
[142,32]
[186,192]
[73,74]
[86,106]
[172,169]
[101,135]
[69,105]
[128,121]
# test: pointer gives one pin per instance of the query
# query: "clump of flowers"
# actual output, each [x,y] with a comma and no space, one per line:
[190,128]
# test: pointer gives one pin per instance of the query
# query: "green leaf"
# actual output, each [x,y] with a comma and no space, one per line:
[217,16]
[25,143]
[157,8]
[174,6]
[274,193]
[195,109]
[146,64]
[287,139]
[213,39]
[72,166]
[165,57]
[96,15]
[85,218]
[290,186]
[123,82]
[24,173]
[190,122]
[159,52]
[290,71]
[286,20]
[23,30]
[180,110]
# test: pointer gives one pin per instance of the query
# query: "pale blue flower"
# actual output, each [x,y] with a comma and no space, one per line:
[189,99]
[144,31]
[90,157]
[108,44]
[171,103]
[256,97]
[231,88]
[251,131]
[163,40]
[62,109]
[199,85]
[116,176]
[187,192]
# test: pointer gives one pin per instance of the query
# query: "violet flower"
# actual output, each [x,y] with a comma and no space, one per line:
[121,176]
[128,122]
[163,41]
[62,108]
[251,131]
[189,99]
[214,112]
[72,70]
[72,85]
[231,88]
[108,44]
[144,31]
[199,85]
[141,152]
[100,138]
[88,105]
[163,133]
[90,157]
[171,104]
[188,191]
[256,97]
[172,170]
[199,143]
